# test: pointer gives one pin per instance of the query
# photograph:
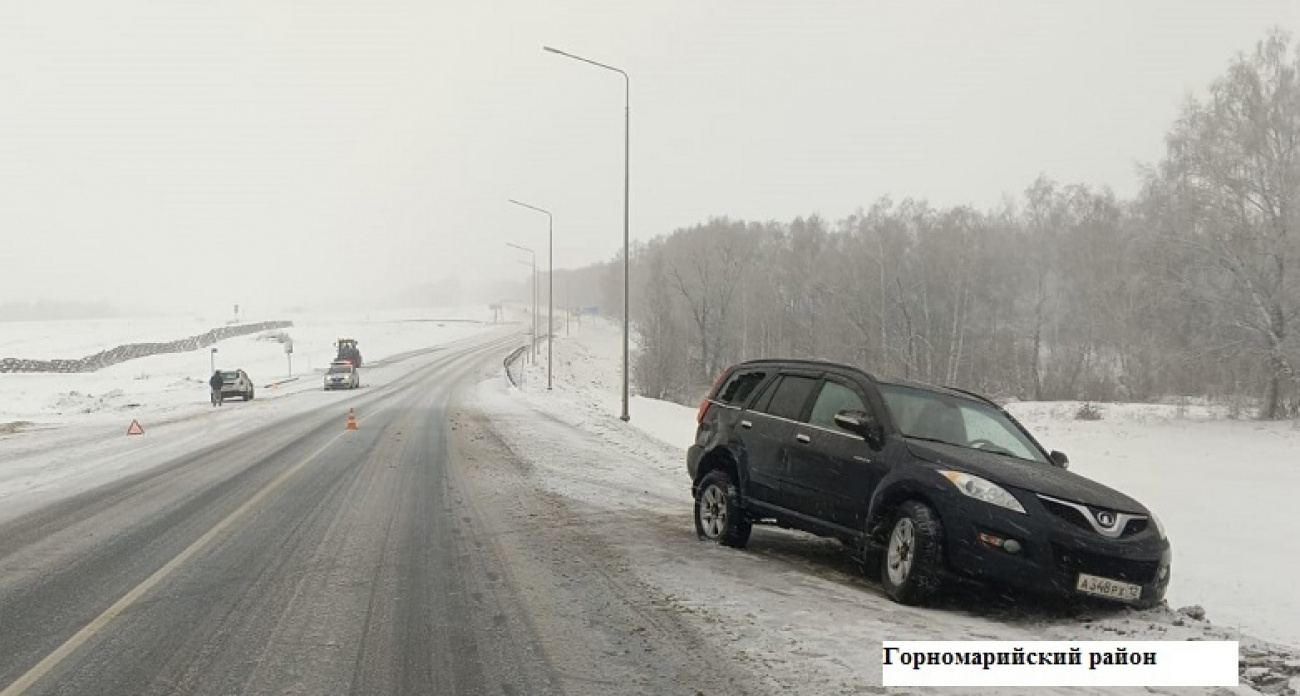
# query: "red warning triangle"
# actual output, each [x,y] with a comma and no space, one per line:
[135,429]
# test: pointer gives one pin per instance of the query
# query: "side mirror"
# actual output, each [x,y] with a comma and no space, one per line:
[1058,458]
[861,423]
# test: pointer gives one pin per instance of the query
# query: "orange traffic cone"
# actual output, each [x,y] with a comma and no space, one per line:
[352,420]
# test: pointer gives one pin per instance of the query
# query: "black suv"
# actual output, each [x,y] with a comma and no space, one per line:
[943,481]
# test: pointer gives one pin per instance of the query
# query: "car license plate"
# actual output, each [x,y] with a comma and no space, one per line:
[1110,589]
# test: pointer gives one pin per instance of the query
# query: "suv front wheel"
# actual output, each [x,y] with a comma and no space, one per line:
[913,560]
[718,516]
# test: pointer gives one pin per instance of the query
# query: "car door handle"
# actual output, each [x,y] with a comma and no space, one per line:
[746,424]
[803,438]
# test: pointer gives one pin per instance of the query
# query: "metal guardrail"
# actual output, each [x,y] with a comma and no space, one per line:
[510,360]
[132,351]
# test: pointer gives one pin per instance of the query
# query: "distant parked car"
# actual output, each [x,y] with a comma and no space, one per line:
[342,375]
[236,383]
[939,481]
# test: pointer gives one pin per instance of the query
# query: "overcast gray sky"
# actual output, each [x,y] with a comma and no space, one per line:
[299,145]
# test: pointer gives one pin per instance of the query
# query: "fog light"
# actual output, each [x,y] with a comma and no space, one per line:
[997,542]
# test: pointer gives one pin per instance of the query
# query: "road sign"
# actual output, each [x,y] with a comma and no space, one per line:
[135,428]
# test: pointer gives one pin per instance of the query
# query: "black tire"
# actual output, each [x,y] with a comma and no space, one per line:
[911,567]
[718,515]
[249,395]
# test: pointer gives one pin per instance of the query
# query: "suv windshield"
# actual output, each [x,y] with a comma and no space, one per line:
[928,415]
[229,376]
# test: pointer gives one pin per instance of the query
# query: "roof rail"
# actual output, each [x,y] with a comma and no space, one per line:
[968,392]
[808,363]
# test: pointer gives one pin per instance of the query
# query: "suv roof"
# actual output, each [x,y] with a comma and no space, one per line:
[825,364]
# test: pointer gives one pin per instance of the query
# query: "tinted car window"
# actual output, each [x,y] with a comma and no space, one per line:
[765,396]
[834,397]
[738,389]
[926,414]
[790,396]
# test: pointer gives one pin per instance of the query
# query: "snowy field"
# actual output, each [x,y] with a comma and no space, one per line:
[61,434]
[1222,488]
[165,384]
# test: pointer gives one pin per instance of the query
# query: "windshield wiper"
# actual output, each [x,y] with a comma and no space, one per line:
[934,439]
[992,450]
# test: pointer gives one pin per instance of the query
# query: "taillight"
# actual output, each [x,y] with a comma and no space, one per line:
[713,390]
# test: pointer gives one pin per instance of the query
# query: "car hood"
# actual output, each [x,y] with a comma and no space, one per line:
[1025,475]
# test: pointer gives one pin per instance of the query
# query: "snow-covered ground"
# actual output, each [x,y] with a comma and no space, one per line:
[61,434]
[1223,489]
[166,384]
[796,605]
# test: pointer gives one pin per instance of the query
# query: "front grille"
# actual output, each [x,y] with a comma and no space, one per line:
[1067,513]
[1076,561]
[1076,517]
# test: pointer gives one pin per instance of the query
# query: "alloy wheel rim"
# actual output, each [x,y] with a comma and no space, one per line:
[901,551]
[713,512]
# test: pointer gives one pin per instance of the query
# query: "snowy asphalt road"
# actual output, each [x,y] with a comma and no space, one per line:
[409,556]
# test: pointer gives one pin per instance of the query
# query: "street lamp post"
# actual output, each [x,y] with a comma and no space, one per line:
[533,263]
[550,283]
[627,146]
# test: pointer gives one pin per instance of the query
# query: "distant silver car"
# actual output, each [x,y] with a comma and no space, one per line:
[236,383]
[342,375]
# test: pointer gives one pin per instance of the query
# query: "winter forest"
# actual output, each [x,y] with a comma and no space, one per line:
[1191,290]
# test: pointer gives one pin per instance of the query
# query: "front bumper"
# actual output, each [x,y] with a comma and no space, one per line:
[1052,552]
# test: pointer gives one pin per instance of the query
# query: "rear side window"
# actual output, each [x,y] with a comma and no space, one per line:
[739,388]
[789,396]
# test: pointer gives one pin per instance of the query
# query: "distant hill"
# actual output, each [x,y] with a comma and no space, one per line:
[47,310]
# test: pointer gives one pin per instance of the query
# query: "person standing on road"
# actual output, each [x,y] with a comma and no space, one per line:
[215,382]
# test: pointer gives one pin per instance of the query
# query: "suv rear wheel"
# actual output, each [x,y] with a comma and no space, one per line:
[913,559]
[718,516]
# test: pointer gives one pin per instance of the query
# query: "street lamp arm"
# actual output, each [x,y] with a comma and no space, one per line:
[532,207]
[627,81]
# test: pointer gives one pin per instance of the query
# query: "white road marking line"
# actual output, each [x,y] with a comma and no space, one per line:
[52,660]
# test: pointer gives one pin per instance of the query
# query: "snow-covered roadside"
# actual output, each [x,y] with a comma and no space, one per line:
[794,607]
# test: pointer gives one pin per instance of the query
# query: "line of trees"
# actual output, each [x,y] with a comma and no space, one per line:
[1067,292]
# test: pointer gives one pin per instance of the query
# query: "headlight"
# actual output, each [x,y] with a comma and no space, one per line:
[981,489]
